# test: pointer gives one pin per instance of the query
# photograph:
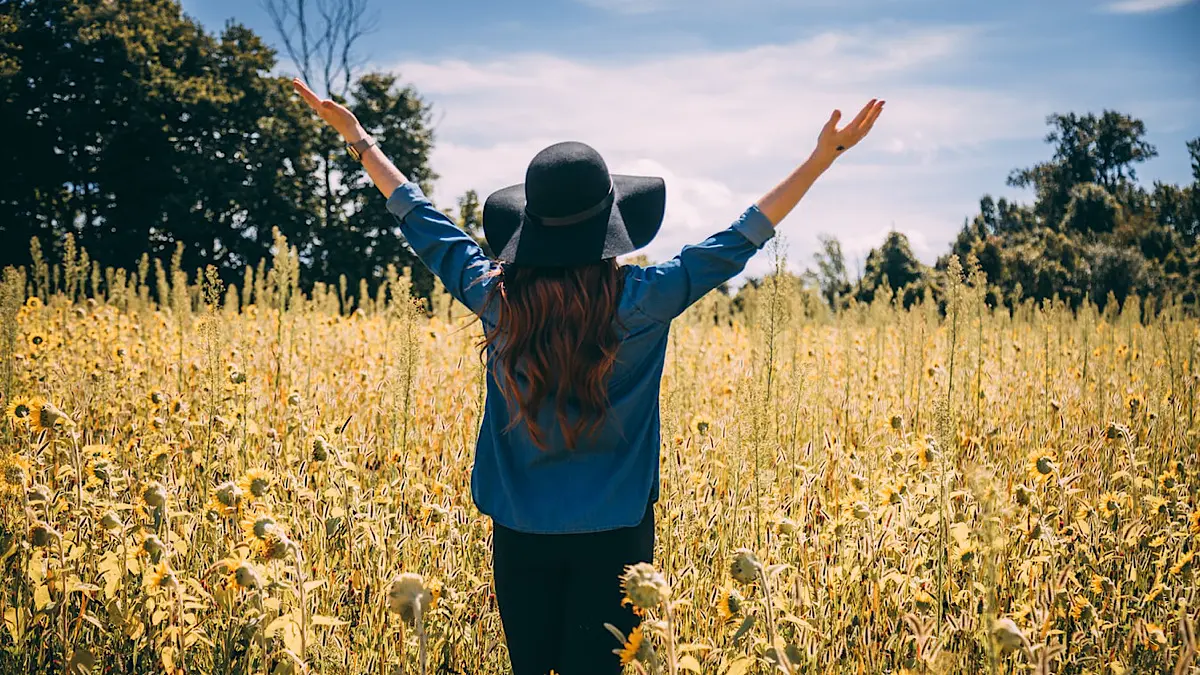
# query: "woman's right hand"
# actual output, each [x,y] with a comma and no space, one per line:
[335,115]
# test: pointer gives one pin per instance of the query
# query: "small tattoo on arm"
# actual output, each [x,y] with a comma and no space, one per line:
[841,148]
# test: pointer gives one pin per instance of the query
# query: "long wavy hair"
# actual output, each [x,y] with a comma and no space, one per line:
[555,337]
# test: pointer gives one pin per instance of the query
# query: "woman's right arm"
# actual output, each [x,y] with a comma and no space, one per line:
[664,291]
[441,245]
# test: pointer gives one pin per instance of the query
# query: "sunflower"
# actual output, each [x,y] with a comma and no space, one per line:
[1112,503]
[1194,522]
[1042,465]
[635,648]
[258,527]
[256,482]
[22,408]
[37,340]
[1184,564]
[48,416]
[14,473]
[162,576]
[33,302]
[1082,609]
[729,604]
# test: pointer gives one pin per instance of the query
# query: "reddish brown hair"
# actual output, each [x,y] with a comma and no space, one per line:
[555,336]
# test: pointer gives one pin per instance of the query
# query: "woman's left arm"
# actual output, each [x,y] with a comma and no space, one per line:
[445,249]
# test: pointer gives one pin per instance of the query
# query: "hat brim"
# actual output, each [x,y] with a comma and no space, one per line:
[636,215]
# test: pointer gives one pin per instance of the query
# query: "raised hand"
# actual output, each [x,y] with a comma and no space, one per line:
[335,114]
[834,141]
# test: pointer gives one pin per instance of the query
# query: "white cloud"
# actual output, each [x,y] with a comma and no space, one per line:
[724,127]
[1143,6]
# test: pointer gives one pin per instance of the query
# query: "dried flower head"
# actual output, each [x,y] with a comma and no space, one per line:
[644,586]
[1007,636]
[111,521]
[41,534]
[409,597]
[245,576]
[154,495]
[745,566]
[49,417]
[229,494]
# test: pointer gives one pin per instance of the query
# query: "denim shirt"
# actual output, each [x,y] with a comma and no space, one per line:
[607,480]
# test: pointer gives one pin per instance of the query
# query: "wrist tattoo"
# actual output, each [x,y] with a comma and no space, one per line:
[841,148]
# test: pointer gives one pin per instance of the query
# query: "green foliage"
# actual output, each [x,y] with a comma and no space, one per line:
[894,266]
[136,129]
[831,270]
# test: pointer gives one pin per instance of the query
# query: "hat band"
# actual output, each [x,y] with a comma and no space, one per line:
[575,218]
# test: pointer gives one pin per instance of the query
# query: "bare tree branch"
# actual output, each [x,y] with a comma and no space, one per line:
[322,45]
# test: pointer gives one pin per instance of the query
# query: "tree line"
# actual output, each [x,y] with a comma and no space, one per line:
[134,133]
[1092,232]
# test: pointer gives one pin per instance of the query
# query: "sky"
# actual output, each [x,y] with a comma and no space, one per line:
[723,98]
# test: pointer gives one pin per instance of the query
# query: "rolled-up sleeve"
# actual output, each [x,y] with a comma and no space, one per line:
[442,246]
[664,291]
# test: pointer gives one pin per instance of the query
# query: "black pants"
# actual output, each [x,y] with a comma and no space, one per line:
[556,591]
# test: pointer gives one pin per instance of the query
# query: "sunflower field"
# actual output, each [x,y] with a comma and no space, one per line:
[214,478]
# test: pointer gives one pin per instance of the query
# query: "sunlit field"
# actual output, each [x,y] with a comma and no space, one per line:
[209,479]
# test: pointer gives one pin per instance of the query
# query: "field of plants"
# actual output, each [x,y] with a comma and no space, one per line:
[214,479]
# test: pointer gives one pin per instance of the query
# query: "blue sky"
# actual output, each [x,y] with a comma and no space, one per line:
[724,97]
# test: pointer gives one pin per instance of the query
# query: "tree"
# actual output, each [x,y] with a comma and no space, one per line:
[831,269]
[1087,149]
[1091,209]
[131,128]
[892,265]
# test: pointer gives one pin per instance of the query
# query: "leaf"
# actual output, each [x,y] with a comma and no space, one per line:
[41,597]
[319,620]
[747,623]
[961,532]
[10,622]
[739,666]
[313,585]
[616,632]
[688,662]
[772,570]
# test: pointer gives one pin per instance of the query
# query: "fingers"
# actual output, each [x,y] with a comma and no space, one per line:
[862,114]
[870,121]
[310,97]
[831,125]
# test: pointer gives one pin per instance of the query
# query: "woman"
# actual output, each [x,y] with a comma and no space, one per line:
[567,459]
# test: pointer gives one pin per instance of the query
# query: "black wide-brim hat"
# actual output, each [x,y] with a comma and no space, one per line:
[571,211]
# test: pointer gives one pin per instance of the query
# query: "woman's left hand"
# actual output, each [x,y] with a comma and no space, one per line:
[335,114]
[834,141]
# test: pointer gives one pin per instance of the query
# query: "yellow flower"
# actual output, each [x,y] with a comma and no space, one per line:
[1112,503]
[22,408]
[1081,609]
[33,302]
[37,340]
[729,604]
[1042,465]
[48,416]
[256,482]
[162,576]
[1184,564]
[629,651]
[14,473]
